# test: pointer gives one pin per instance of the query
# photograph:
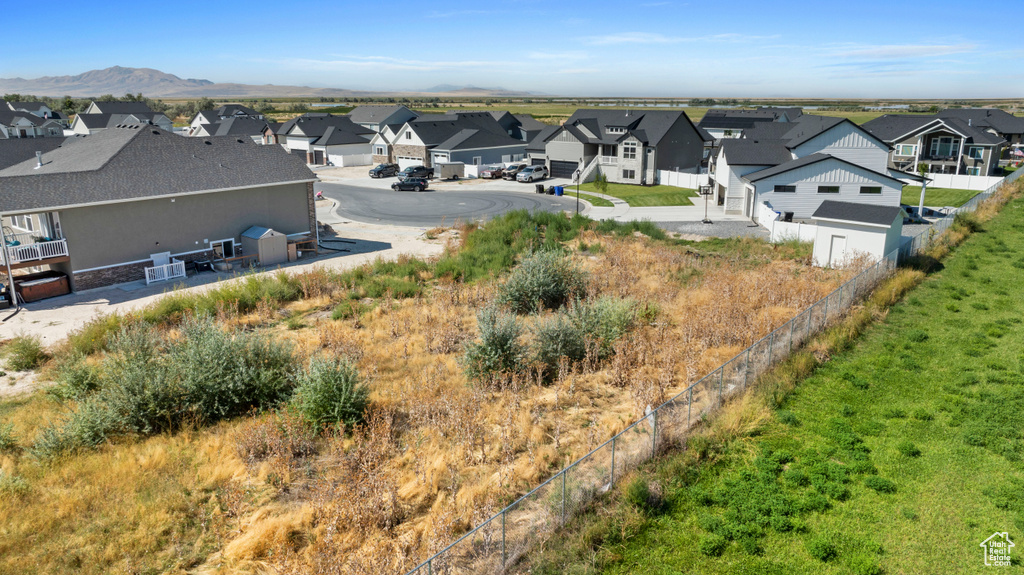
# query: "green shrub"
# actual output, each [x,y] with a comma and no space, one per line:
[24,352]
[557,337]
[712,545]
[603,321]
[94,336]
[74,377]
[500,353]
[645,496]
[544,279]
[348,309]
[822,549]
[908,449]
[880,484]
[150,384]
[329,392]
[12,486]
[8,441]
[865,565]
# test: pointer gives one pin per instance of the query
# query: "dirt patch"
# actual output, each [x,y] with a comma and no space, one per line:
[20,382]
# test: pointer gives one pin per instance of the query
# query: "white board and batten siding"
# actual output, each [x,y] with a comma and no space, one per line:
[847,142]
[839,243]
[830,172]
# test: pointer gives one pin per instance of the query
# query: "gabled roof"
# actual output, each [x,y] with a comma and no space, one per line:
[469,139]
[374,114]
[16,150]
[440,130]
[745,119]
[239,126]
[235,110]
[749,152]
[334,136]
[810,126]
[8,118]
[651,125]
[896,127]
[316,125]
[260,232]
[529,123]
[139,162]
[538,141]
[806,161]
[870,214]
[1000,120]
[98,121]
[28,106]
[121,107]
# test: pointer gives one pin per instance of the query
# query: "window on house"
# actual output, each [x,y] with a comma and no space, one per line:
[974,152]
[906,150]
[611,150]
[785,189]
[380,151]
[973,171]
[828,189]
[870,189]
[628,174]
[629,151]
[945,146]
[616,130]
[223,249]
[408,135]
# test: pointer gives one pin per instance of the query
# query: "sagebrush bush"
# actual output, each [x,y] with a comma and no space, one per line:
[24,352]
[544,279]
[8,441]
[282,436]
[557,337]
[75,378]
[329,392]
[500,353]
[12,486]
[604,320]
[647,497]
[150,383]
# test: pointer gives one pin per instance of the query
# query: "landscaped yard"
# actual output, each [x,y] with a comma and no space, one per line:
[937,197]
[900,455]
[597,201]
[644,196]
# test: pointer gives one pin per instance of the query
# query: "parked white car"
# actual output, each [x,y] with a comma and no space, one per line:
[532,173]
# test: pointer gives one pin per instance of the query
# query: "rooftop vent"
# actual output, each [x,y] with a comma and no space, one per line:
[208,143]
[39,160]
[156,132]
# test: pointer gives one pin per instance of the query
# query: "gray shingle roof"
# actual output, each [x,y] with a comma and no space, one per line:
[806,161]
[809,126]
[748,152]
[16,150]
[316,125]
[122,107]
[335,136]
[471,139]
[529,123]
[891,127]
[239,126]
[860,213]
[1001,121]
[235,110]
[373,114]
[744,119]
[140,162]
[537,144]
[98,121]
[30,106]
[653,123]
[8,118]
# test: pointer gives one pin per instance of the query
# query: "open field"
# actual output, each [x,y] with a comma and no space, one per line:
[899,455]
[937,197]
[644,196]
[437,451]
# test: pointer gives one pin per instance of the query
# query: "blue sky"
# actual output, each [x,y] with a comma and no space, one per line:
[909,49]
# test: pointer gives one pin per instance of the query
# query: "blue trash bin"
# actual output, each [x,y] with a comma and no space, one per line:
[558,190]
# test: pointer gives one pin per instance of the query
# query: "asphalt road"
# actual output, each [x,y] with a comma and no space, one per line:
[434,208]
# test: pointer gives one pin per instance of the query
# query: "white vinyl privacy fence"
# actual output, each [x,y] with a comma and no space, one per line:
[502,540]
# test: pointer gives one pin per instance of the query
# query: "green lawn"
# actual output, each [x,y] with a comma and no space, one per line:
[644,196]
[899,455]
[937,197]
[597,201]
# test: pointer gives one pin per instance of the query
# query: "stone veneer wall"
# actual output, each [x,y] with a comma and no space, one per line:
[412,152]
[123,274]
[311,200]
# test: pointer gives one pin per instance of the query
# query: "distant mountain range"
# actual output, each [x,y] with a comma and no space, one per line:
[118,81]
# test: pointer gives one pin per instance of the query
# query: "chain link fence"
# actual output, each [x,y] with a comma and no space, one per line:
[502,540]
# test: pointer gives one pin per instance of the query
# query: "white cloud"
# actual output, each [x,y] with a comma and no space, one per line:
[899,51]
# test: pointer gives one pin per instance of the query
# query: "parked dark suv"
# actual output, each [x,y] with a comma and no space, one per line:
[416,172]
[414,184]
[510,172]
[384,170]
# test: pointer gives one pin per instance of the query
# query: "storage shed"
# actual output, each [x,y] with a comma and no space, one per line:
[848,230]
[270,246]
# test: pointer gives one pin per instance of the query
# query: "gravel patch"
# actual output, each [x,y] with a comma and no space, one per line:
[722,229]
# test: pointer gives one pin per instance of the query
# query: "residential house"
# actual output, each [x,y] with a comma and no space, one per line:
[945,145]
[376,117]
[252,128]
[993,120]
[469,137]
[21,124]
[627,146]
[322,137]
[225,112]
[730,123]
[99,116]
[135,197]
[794,166]
[37,109]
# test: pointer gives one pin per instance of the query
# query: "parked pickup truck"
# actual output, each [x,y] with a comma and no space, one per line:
[491,173]
[416,172]
[384,170]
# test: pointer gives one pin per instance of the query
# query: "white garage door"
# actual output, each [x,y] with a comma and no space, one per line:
[406,161]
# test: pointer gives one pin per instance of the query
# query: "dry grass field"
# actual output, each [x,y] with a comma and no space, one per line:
[436,453]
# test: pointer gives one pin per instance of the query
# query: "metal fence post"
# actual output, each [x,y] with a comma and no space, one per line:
[689,407]
[430,566]
[792,324]
[654,433]
[613,460]
[504,555]
[746,369]
[810,316]
[563,498]
[855,288]
[771,349]
[824,319]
